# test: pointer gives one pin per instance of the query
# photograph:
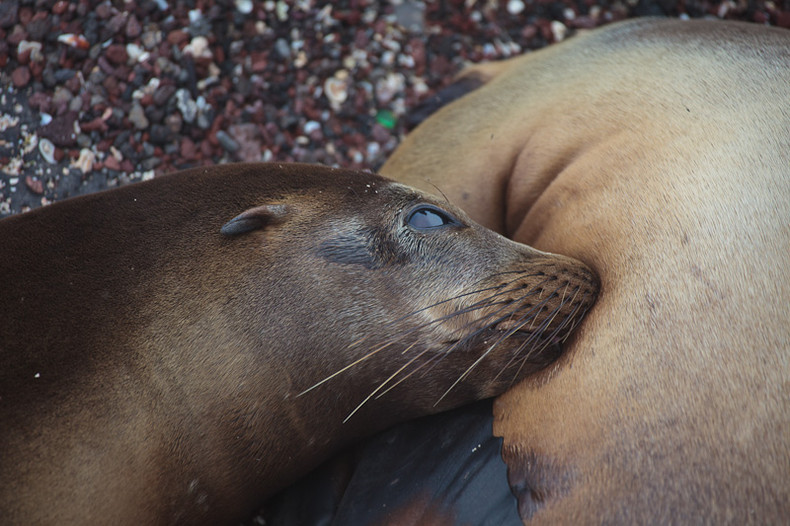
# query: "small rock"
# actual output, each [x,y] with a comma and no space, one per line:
[311,126]
[42,102]
[133,28]
[282,48]
[227,141]
[39,27]
[8,13]
[244,6]
[76,41]
[336,90]
[20,76]
[103,10]
[85,161]
[137,117]
[34,184]
[47,150]
[186,105]
[115,23]
[390,86]
[60,7]
[281,10]
[18,34]
[174,122]
[198,48]
[160,134]
[116,54]
[177,37]
[63,75]
[136,53]
[188,149]
[111,163]
[34,49]
[61,130]
[151,39]
[61,97]
[163,94]
[558,30]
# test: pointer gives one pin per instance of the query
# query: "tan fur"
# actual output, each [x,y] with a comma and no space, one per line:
[658,152]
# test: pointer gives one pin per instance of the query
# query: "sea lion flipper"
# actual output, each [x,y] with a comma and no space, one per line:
[255,218]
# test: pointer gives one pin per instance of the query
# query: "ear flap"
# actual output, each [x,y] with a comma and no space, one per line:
[254,219]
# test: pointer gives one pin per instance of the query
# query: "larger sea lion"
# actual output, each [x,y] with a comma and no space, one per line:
[168,350]
[658,152]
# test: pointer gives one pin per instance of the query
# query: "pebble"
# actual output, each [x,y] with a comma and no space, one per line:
[63,75]
[116,53]
[137,117]
[32,48]
[47,150]
[111,163]
[227,141]
[85,161]
[282,48]
[136,53]
[198,48]
[160,134]
[186,105]
[20,76]
[133,28]
[311,126]
[174,122]
[390,86]
[558,30]
[35,185]
[188,149]
[61,130]
[336,90]
[244,6]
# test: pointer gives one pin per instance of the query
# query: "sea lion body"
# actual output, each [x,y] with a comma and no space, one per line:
[657,152]
[160,341]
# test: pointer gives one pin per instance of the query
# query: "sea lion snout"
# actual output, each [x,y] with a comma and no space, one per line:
[550,302]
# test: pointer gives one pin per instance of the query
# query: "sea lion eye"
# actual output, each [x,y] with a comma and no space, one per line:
[429,217]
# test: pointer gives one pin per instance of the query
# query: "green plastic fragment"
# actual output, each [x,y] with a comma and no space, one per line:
[386,119]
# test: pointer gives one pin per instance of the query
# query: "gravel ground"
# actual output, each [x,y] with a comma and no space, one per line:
[98,94]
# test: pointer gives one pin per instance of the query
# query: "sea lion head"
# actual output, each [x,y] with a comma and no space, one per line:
[401,290]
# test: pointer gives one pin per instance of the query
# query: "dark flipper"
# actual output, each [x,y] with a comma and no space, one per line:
[442,469]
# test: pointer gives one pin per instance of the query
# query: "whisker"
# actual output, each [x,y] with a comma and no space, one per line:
[347,367]
[521,275]
[381,385]
[533,337]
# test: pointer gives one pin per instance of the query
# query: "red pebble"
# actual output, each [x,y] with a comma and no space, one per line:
[21,76]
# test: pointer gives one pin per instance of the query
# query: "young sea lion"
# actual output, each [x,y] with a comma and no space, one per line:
[174,351]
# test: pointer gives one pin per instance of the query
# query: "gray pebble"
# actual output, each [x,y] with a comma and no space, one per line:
[137,117]
[282,48]
[186,105]
[227,141]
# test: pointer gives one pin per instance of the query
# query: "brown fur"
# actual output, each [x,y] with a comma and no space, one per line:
[152,367]
[658,152]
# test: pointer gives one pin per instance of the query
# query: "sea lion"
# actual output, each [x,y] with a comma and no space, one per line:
[657,152]
[169,349]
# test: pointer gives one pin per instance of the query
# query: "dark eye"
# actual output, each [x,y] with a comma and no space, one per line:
[429,217]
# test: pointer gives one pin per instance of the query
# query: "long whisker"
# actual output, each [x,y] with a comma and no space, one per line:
[478,305]
[381,385]
[521,275]
[544,324]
